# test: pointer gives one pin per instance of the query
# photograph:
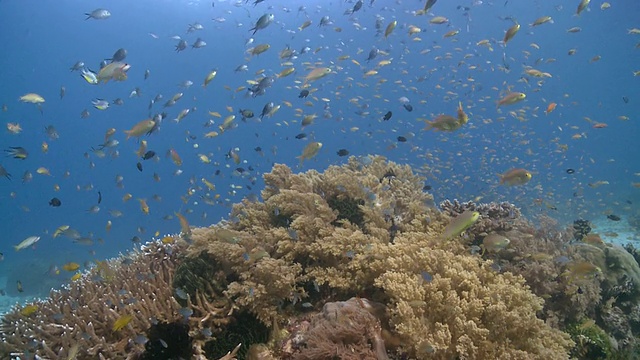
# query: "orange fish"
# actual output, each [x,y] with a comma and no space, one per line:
[550,108]
[175,157]
[599,125]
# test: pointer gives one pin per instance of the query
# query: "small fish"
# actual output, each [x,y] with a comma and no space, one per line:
[613,217]
[511,32]
[343,152]
[71,266]
[581,6]
[392,25]
[27,242]
[89,76]
[515,177]
[262,23]
[494,243]
[511,99]
[29,310]
[317,73]
[98,14]
[32,98]
[121,322]
[55,202]
[459,224]
[310,151]
[100,104]
[17,152]
[148,155]
[387,116]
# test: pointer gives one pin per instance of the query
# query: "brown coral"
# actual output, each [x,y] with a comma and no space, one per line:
[81,316]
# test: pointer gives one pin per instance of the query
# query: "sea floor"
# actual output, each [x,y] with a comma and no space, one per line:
[616,232]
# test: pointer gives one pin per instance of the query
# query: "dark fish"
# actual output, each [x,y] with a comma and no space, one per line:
[426,188]
[429,5]
[139,166]
[246,114]
[408,107]
[119,55]
[343,152]
[182,44]
[266,109]
[387,116]
[301,136]
[625,99]
[402,139]
[372,54]
[240,170]
[148,155]
[570,171]
[303,94]
[135,239]
[55,202]
[99,197]
[257,149]
[613,217]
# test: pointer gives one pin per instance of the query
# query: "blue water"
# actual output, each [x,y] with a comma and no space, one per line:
[42,40]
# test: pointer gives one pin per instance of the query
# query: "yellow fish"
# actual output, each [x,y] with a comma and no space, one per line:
[184,224]
[392,25]
[511,98]
[459,224]
[71,266]
[140,128]
[310,151]
[29,309]
[317,73]
[143,206]
[32,98]
[122,321]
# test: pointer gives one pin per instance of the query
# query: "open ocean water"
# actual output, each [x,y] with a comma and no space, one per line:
[582,152]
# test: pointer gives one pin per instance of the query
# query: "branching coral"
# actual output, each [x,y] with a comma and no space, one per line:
[81,317]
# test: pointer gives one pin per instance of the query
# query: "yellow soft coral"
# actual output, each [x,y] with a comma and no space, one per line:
[449,305]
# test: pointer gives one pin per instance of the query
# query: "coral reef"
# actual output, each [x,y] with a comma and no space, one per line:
[272,282]
[343,330]
[80,318]
[359,229]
